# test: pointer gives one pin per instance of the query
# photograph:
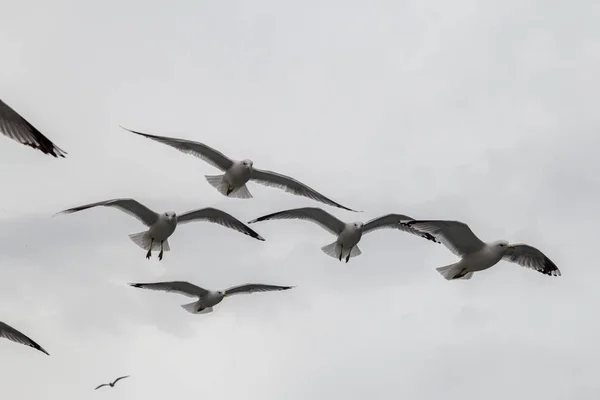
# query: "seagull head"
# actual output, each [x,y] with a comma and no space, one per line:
[357,225]
[247,163]
[502,245]
[221,293]
[170,215]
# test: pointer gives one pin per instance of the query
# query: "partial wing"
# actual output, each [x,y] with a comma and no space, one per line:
[11,333]
[253,288]
[130,206]
[291,185]
[200,150]
[104,384]
[394,221]
[218,217]
[118,379]
[455,235]
[530,257]
[181,287]
[16,127]
[313,214]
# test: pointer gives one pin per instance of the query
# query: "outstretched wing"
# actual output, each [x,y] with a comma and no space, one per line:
[118,379]
[18,128]
[313,214]
[291,185]
[104,384]
[200,150]
[10,333]
[130,206]
[218,217]
[455,235]
[394,221]
[253,288]
[181,287]
[530,257]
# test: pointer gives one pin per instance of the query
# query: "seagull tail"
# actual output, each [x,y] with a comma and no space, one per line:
[222,186]
[194,308]
[450,272]
[143,240]
[241,192]
[334,249]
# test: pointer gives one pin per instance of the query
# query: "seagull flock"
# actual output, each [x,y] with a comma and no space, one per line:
[475,255]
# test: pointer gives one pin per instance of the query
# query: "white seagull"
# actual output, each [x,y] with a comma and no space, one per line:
[207,299]
[112,384]
[348,234]
[237,173]
[477,255]
[162,226]
[17,128]
[10,333]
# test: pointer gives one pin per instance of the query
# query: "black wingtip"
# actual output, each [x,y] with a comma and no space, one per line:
[550,268]
[137,285]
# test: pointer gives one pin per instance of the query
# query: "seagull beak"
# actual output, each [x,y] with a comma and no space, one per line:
[511,246]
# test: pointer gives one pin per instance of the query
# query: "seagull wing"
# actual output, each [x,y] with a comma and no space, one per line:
[104,384]
[181,287]
[218,217]
[200,150]
[291,185]
[253,288]
[118,379]
[16,127]
[530,257]
[10,333]
[130,206]
[455,235]
[313,214]
[394,221]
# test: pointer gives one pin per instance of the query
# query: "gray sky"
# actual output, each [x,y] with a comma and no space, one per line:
[484,112]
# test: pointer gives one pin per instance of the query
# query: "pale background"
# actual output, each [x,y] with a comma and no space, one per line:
[481,111]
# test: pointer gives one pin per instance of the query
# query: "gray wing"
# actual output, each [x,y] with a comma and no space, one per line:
[530,257]
[200,150]
[118,379]
[18,128]
[313,214]
[218,217]
[394,221]
[181,287]
[10,333]
[253,288]
[130,206]
[291,185]
[455,235]
[104,384]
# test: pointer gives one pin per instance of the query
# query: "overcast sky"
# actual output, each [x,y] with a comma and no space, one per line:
[485,112]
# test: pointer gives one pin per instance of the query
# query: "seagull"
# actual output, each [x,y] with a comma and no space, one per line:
[113,383]
[237,173]
[348,234]
[162,226]
[10,333]
[477,255]
[17,128]
[207,299]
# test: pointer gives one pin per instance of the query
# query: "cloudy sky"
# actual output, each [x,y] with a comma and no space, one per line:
[484,112]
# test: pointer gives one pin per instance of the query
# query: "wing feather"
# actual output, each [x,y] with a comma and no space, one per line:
[218,217]
[455,235]
[181,287]
[10,333]
[395,221]
[129,206]
[530,257]
[254,288]
[313,214]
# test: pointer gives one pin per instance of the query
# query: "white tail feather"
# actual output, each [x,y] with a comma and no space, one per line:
[222,186]
[241,192]
[450,271]
[334,249]
[143,240]
[193,308]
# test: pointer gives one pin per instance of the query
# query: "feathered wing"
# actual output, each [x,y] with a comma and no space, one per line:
[253,288]
[530,257]
[218,217]
[104,384]
[129,206]
[394,221]
[200,150]
[18,128]
[291,185]
[455,235]
[10,333]
[119,378]
[313,214]
[181,287]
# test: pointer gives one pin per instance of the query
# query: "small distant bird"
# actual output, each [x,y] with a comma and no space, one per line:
[348,234]
[112,384]
[207,299]
[10,333]
[237,173]
[17,128]
[477,255]
[162,226]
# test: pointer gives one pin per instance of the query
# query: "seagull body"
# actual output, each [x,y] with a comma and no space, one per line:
[207,299]
[162,226]
[10,333]
[477,255]
[237,173]
[112,384]
[348,234]
[18,128]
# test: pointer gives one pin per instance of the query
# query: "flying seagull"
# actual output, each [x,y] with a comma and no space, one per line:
[237,173]
[162,226]
[348,234]
[477,255]
[17,128]
[10,333]
[207,299]
[113,383]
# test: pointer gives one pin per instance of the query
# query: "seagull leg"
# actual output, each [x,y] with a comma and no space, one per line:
[229,189]
[348,256]
[341,251]
[149,253]
[460,274]
[161,251]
